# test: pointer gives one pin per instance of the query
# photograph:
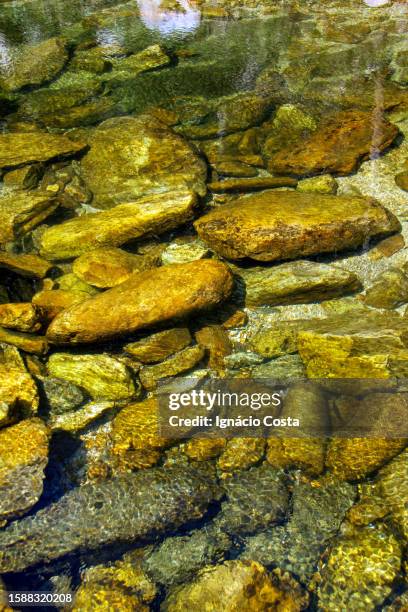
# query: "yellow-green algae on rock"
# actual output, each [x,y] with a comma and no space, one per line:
[360,571]
[153,214]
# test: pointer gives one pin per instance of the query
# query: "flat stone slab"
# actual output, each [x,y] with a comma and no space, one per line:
[285,225]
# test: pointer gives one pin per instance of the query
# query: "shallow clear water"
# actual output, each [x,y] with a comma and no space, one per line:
[120,125]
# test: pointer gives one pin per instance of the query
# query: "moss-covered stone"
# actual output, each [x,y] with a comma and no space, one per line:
[154,214]
[318,184]
[29,343]
[34,64]
[102,376]
[133,157]
[285,225]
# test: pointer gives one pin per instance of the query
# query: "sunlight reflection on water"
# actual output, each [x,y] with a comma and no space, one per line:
[167,22]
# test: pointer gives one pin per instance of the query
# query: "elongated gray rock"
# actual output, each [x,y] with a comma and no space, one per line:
[290,225]
[296,282]
[121,510]
[151,215]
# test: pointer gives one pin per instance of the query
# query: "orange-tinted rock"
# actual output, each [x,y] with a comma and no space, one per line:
[22,316]
[216,340]
[288,225]
[30,266]
[107,267]
[147,298]
[338,146]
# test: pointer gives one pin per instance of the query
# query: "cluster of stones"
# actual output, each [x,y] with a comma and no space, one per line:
[134,249]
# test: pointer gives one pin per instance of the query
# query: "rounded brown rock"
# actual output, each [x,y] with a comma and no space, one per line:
[146,299]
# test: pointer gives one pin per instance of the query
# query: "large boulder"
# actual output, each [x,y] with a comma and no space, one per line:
[153,214]
[147,298]
[132,157]
[285,225]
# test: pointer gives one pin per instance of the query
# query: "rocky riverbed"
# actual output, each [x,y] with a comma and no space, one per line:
[207,190]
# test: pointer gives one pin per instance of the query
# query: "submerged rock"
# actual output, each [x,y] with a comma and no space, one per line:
[340,143]
[158,347]
[34,64]
[389,290]
[154,214]
[148,298]
[29,343]
[107,267]
[402,180]
[20,148]
[79,419]
[360,571]
[152,502]
[184,252]
[241,453]
[178,559]
[151,57]
[60,395]
[30,266]
[296,283]
[18,391]
[131,157]
[316,517]
[22,211]
[23,457]
[22,316]
[356,458]
[285,225]
[101,375]
[251,184]
[372,346]
[136,442]
[182,361]
[318,184]
[234,585]
[255,500]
